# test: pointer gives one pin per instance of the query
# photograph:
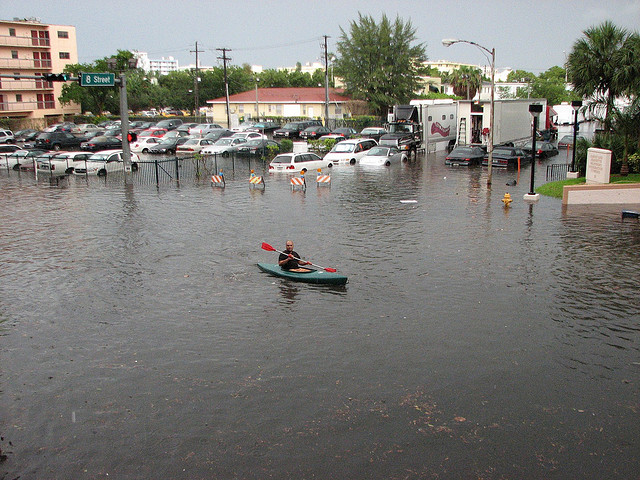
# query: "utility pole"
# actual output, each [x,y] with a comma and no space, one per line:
[196,81]
[326,83]
[225,59]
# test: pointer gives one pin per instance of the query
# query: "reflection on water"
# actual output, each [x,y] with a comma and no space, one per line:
[472,340]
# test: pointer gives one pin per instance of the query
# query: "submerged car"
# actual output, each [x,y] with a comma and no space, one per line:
[61,163]
[543,149]
[295,162]
[101,143]
[505,156]
[224,146]
[168,146]
[348,152]
[258,146]
[465,156]
[373,132]
[567,141]
[19,158]
[194,145]
[142,145]
[383,156]
[105,162]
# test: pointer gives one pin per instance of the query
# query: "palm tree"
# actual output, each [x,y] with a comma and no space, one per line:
[466,81]
[626,123]
[602,66]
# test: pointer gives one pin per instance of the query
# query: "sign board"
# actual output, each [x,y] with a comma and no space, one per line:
[598,165]
[97,79]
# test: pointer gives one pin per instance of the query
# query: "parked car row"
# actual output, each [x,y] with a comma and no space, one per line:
[502,155]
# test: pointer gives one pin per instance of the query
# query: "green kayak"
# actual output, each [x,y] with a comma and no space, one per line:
[312,276]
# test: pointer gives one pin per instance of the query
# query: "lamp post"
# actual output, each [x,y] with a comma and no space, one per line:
[257,104]
[534,109]
[576,104]
[450,41]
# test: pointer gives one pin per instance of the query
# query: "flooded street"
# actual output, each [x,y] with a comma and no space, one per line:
[138,339]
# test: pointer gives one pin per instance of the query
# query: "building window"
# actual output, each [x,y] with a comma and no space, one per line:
[65,56]
[240,108]
[45,101]
[18,97]
[63,34]
[278,110]
[12,32]
[14,54]
[338,109]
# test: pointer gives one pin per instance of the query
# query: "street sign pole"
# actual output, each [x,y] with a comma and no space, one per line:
[124,123]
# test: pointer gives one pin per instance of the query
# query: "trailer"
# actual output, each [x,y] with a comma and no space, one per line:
[512,121]
[423,124]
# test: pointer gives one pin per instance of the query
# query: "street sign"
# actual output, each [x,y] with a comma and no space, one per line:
[97,79]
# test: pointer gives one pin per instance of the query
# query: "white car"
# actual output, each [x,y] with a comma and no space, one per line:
[6,136]
[104,162]
[89,128]
[295,162]
[194,145]
[60,163]
[248,135]
[19,158]
[348,152]
[224,146]
[143,144]
[203,128]
[383,156]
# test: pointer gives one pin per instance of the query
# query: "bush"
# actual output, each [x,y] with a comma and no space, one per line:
[321,145]
[273,150]
[286,145]
[634,163]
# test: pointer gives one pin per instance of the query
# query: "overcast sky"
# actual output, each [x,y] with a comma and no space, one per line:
[527,35]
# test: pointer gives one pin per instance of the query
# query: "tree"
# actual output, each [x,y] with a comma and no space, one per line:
[378,62]
[520,76]
[626,123]
[604,65]
[466,81]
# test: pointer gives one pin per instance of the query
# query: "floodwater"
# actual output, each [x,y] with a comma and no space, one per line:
[139,340]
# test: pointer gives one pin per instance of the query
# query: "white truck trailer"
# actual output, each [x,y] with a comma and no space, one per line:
[512,121]
[439,122]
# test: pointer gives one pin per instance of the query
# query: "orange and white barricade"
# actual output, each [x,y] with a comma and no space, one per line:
[323,179]
[218,180]
[255,180]
[298,182]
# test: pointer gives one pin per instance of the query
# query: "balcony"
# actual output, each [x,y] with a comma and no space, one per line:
[24,64]
[21,107]
[28,42]
[8,85]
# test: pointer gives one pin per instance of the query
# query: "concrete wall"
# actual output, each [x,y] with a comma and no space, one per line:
[601,194]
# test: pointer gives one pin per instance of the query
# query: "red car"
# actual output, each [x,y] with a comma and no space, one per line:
[153,132]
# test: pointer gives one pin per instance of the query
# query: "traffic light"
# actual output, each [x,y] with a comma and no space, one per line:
[56,77]
[132,137]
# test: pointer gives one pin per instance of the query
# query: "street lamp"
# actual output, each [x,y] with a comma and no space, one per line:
[257,104]
[450,41]
[534,109]
[576,104]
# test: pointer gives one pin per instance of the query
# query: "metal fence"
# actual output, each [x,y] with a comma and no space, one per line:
[557,171]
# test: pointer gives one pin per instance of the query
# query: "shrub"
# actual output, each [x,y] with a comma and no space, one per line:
[286,145]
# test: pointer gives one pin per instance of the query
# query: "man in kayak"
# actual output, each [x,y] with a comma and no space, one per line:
[290,260]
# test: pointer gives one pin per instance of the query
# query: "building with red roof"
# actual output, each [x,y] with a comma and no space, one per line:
[291,102]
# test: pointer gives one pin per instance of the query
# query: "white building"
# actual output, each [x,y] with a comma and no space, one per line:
[162,66]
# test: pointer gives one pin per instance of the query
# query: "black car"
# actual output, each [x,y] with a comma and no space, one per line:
[264,127]
[169,124]
[567,141]
[101,143]
[505,156]
[314,132]
[373,132]
[167,147]
[26,135]
[57,141]
[293,129]
[258,146]
[543,149]
[465,156]
[218,134]
[346,132]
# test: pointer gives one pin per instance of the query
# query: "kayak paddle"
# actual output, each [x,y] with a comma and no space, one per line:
[269,248]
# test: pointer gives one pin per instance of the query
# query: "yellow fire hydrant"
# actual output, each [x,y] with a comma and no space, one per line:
[507,200]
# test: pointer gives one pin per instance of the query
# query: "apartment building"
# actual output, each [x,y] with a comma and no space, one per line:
[30,47]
